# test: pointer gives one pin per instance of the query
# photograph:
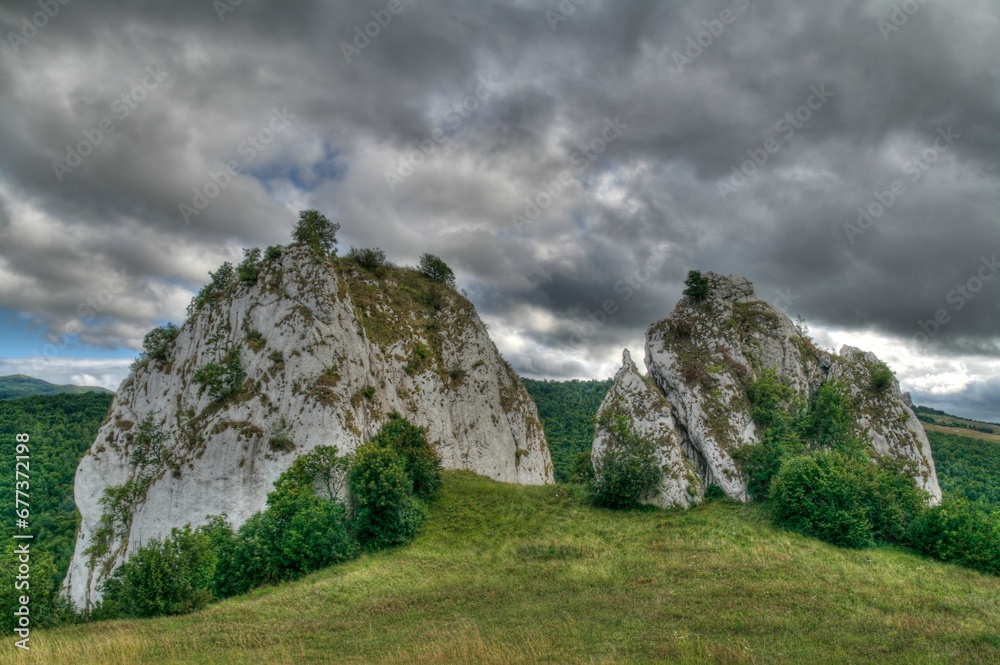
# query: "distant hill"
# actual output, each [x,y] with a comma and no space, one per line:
[18,385]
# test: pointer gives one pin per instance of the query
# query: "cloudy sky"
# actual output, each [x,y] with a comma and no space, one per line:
[560,156]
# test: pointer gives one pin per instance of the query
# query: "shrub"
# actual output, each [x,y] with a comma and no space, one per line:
[221,380]
[157,343]
[821,495]
[881,378]
[433,268]
[387,513]
[273,252]
[169,576]
[420,460]
[831,416]
[582,468]
[771,398]
[47,607]
[371,259]
[845,499]
[628,468]
[959,531]
[761,463]
[249,269]
[222,280]
[316,232]
[697,286]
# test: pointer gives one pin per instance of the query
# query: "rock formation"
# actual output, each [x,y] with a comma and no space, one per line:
[322,352]
[702,356]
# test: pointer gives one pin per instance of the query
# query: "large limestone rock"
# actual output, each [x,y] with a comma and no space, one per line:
[702,357]
[650,416]
[328,351]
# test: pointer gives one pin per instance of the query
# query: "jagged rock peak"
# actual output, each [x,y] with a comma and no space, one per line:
[322,351]
[732,288]
[704,355]
[650,416]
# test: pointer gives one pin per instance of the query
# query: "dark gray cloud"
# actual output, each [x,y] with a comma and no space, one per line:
[840,107]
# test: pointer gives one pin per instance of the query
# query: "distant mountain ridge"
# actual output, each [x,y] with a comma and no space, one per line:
[16,386]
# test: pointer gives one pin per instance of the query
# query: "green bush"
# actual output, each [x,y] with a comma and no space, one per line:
[371,259]
[628,468]
[316,232]
[47,608]
[387,513]
[761,463]
[156,345]
[582,468]
[299,532]
[433,268]
[845,499]
[697,286]
[249,269]
[222,281]
[831,416]
[881,378]
[420,460]
[169,576]
[822,495]
[223,379]
[273,252]
[959,531]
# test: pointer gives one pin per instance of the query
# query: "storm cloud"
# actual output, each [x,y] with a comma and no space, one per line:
[571,160]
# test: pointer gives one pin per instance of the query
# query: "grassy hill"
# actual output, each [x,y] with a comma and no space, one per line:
[16,386]
[509,574]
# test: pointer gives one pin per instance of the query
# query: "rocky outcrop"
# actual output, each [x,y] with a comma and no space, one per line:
[703,356]
[650,416]
[326,351]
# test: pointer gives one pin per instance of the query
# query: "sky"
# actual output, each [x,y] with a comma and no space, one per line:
[571,160]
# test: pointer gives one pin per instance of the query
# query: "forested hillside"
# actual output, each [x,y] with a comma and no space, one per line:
[61,429]
[967,467]
[16,386]
[567,410]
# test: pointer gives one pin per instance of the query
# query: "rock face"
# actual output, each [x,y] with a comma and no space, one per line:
[641,403]
[328,350]
[701,358]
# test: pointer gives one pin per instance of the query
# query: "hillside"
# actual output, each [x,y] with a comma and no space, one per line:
[567,410]
[16,386]
[934,420]
[968,466]
[505,574]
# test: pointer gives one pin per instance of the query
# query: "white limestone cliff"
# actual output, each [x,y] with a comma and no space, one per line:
[649,415]
[701,358]
[328,351]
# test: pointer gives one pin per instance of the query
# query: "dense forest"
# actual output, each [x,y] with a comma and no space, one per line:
[61,429]
[567,410]
[16,386]
[967,468]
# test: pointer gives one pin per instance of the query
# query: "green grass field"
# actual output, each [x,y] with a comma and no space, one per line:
[508,574]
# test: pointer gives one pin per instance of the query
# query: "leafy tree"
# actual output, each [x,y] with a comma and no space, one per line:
[697,286]
[960,531]
[387,513]
[222,380]
[967,468]
[628,467]
[317,232]
[433,268]
[146,446]
[169,576]
[831,416]
[222,281]
[156,345]
[249,269]
[420,460]
[371,259]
